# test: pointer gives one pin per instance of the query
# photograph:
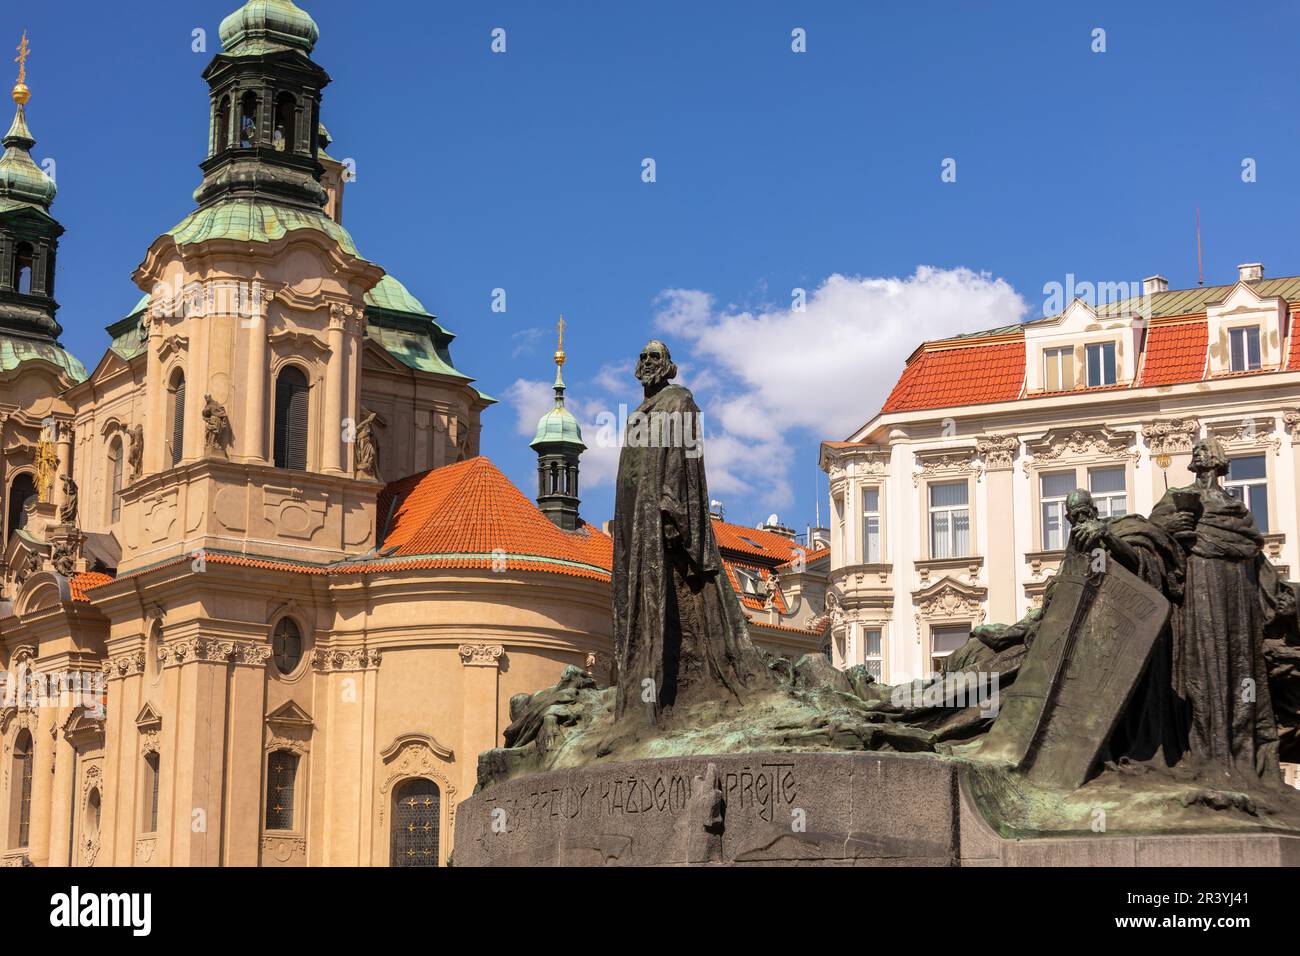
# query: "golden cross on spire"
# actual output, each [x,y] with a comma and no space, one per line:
[20,93]
[559,352]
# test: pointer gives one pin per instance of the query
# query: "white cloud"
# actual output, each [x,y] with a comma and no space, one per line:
[772,381]
[819,373]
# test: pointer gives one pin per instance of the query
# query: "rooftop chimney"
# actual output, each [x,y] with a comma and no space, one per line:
[1153,284]
[1250,271]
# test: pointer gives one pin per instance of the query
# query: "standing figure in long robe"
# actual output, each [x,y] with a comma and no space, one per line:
[1218,660]
[679,632]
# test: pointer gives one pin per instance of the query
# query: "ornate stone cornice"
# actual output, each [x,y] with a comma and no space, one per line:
[1091,442]
[123,665]
[190,649]
[345,659]
[481,655]
[998,451]
[1169,436]
[946,463]
[1257,432]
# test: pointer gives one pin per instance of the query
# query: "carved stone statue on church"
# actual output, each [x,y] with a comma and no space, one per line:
[135,450]
[216,426]
[68,510]
[367,450]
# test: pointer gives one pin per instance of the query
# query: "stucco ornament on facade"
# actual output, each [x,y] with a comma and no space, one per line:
[1170,436]
[481,655]
[1258,432]
[949,601]
[1064,445]
[998,451]
[946,464]
[353,659]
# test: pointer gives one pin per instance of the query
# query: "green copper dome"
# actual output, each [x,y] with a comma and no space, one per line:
[558,426]
[21,180]
[265,26]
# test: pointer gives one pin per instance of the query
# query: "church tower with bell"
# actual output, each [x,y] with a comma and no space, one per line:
[559,445]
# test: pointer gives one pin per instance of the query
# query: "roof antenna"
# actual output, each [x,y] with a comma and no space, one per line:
[1200,269]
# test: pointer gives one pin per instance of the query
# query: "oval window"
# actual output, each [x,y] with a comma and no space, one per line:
[286,645]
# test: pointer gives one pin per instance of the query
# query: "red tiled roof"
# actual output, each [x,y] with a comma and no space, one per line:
[969,375]
[809,557]
[752,542]
[747,600]
[80,583]
[470,511]
[1175,353]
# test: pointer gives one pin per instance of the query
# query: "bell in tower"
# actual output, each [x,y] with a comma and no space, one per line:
[265,93]
[559,445]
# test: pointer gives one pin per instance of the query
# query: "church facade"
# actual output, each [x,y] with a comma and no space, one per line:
[262,601]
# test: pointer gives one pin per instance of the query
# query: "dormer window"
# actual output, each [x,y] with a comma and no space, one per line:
[1058,369]
[1243,348]
[1101,364]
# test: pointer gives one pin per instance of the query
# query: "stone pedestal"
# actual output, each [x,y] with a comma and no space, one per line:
[850,809]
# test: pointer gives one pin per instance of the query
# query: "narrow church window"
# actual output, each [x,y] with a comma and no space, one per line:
[115,479]
[24,256]
[150,822]
[248,120]
[22,776]
[281,768]
[178,417]
[221,126]
[291,419]
[286,108]
[90,828]
[286,645]
[21,492]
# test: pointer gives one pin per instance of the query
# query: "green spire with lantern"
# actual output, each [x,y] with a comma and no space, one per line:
[559,446]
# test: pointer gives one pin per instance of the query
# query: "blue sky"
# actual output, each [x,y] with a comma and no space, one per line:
[775,171]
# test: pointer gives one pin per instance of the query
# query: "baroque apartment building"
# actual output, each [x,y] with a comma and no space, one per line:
[948,506]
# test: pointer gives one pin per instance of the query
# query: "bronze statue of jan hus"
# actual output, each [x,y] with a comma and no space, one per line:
[679,633]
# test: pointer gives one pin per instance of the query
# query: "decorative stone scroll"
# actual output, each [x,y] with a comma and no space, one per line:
[1170,436]
[1094,442]
[481,655]
[185,650]
[351,659]
[1253,432]
[123,665]
[998,451]
[946,463]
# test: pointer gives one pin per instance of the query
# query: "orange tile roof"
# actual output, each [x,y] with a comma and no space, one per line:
[755,543]
[471,511]
[1175,354]
[80,583]
[969,375]
[747,600]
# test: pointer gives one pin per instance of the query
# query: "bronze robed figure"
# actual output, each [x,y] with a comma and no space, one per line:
[679,633]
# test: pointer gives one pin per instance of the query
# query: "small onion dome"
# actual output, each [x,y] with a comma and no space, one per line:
[21,180]
[558,426]
[260,26]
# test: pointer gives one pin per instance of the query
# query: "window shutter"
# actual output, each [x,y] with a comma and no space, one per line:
[291,420]
[178,423]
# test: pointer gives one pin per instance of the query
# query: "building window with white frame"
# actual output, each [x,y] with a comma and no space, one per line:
[870,525]
[1101,364]
[873,651]
[945,640]
[1243,348]
[1109,491]
[1053,489]
[1248,480]
[1058,369]
[949,520]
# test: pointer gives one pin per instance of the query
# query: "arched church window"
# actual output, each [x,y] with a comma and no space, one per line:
[416,816]
[115,479]
[291,419]
[248,120]
[286,109]
[177,429]
[286,645]
[22,792]
[24,258]
[90,827]
[221,125]
[22,490]
[281,769]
